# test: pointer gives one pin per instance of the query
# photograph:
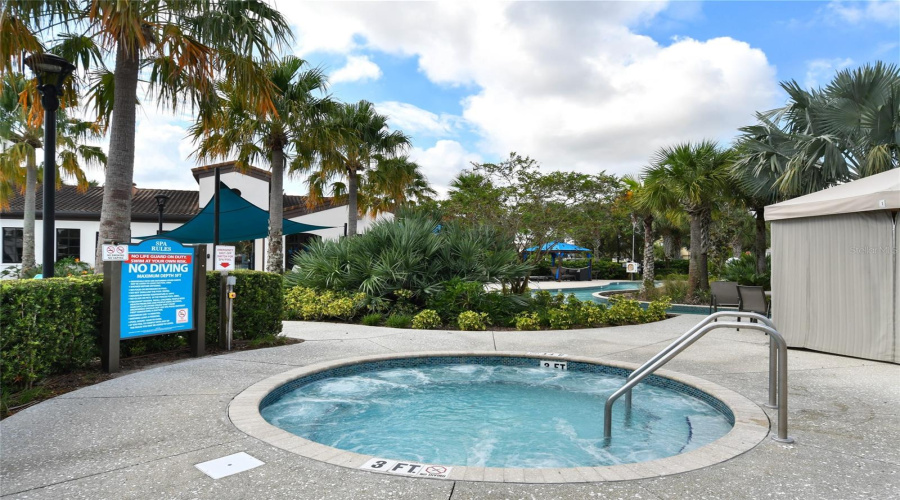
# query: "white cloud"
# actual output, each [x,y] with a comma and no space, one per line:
[162,149]
[358,68]
[568,83]
[415,120]
[441,162]
[878,11]
[821,71]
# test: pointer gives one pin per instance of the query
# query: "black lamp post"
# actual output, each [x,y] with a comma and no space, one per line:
[51,72]
[161,200]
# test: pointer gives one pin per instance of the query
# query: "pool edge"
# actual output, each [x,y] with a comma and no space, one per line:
[751,426]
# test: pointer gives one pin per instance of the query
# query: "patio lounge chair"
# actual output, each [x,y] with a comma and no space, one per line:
[723,294]
[753,299]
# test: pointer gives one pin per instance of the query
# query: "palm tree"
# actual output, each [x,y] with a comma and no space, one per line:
[25,136]
[394,183]
[356,136]
[690,176]
[755,176]
[232,126]
[641,211]
[847,130]
[179,48]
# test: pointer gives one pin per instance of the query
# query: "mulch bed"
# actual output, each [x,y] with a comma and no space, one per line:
[56,385]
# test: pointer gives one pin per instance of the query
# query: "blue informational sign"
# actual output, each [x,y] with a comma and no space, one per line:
[157,289]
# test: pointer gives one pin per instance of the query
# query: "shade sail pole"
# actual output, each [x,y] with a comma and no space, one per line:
[216,208]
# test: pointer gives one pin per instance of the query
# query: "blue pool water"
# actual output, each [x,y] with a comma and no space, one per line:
[588,294]
[493,416]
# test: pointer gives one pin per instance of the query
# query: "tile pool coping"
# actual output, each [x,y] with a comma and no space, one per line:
[751,426]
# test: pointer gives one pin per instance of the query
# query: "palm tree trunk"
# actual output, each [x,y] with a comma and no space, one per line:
[352,211]
[115,215]
[275,263]
[760,243]
[697,266]
[30,204]
[649,270]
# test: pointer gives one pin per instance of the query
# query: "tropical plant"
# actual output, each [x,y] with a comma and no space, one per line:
[233,126]
[178,48]
[821,137]
[690,176]
[415,253]
[24,135]
[355,136]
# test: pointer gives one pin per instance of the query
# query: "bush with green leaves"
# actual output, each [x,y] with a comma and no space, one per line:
[743,272]
[528,321]
[301,303]
[624,312]
[418,253]
[656,310]
[427,319]
[471,321]
[49,326]
[399,321]
[257,308]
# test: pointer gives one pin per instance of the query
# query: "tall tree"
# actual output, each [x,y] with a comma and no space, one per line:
[393,183]
[178,47]
[234,126]
[821,137]
[690,176]
[24,134]
[355,136]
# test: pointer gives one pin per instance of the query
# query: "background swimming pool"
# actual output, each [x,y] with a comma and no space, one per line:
[588,294]
[493,416]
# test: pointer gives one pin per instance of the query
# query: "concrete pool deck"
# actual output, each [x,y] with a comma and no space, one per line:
[141,434]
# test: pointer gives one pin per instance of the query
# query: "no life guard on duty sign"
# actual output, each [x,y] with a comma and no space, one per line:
[224,258]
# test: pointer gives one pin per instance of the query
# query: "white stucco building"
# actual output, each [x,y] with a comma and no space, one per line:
[78,217]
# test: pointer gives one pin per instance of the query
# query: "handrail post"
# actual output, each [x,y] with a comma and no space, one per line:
[777,363]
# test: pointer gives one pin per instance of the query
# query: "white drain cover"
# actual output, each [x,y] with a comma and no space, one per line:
[226,466]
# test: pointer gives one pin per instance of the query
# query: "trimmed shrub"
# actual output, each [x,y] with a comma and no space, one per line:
[656,311]
[603,269]
[528,321]
[49,326]
[426,320]
[624,312]
[258,307]
[561,319]
[398,321]
[592,314]
[471,320]
[307,304]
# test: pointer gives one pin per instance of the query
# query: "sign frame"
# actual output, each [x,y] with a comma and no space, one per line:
[110,333]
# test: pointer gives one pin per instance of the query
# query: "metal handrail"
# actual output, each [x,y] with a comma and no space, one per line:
[686,341]
[714,317]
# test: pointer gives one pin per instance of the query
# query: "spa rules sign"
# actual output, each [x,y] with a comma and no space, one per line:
[157,293]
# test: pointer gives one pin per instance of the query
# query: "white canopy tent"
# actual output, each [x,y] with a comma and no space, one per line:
[835,269]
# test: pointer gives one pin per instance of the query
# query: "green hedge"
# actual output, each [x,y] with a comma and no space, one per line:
[53,326]
[49,326]
[258,306]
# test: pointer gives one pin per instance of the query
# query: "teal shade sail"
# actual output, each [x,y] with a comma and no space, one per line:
[239,220]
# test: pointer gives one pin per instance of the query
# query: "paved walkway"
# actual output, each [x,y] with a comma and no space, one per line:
[139,435]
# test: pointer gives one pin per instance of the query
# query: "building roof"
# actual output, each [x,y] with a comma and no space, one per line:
[181,206]
[876,192]
[73,205]
[229,166]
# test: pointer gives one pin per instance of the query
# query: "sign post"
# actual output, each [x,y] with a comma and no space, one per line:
[158,288]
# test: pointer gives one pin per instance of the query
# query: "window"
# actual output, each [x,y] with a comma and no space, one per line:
[295,243]
[12,245]
[68,243]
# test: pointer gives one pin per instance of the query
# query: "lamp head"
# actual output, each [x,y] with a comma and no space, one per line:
[161,200]
[50,69]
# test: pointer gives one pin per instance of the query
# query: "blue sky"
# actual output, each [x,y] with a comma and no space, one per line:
[585,86]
